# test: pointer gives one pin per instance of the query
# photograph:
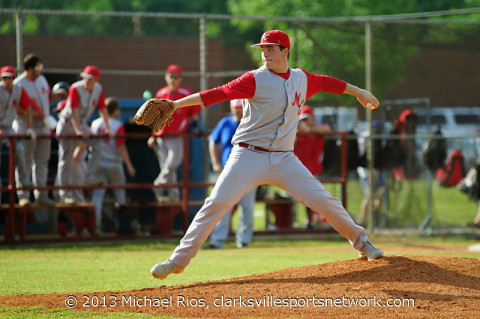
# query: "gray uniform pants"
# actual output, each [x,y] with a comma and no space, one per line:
[66,147]
[111,173]
[245,224]
[20,169]
[247,169]
[37,154]
[170,155]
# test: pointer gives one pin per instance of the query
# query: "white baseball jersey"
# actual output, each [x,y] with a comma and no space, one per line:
[8,104]
[270,118]
[110,151]
[38,91]
[87,101]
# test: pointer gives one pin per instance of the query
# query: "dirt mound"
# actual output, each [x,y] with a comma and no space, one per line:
[396,286]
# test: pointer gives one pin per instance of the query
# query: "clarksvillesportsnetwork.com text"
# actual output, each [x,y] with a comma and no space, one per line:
[265,301]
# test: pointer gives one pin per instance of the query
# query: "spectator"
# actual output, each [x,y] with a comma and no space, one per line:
[59,92]
[114,154]
[79,165]
[37,151]
[84,97]
[378,176]
[13,101]
[470,185]
[220,146]
[309,148]
[169,151]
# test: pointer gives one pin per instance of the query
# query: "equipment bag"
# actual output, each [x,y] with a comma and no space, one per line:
[454,170]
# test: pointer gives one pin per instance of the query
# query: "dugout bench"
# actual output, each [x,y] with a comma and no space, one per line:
[82,215]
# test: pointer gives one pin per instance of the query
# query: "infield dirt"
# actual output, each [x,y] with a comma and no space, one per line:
[393,287]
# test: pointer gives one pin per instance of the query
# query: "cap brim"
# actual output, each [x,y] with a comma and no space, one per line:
[87,76]
[304,116]
[7,75]
[258,45]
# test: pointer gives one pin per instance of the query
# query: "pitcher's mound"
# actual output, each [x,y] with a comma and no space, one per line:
[395,286]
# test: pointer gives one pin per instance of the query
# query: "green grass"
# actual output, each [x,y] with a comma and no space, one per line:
[408,203]
[96,267]
[115,267]
[42,312]
[84,267]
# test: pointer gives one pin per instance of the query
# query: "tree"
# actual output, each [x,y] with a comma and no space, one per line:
[338,49]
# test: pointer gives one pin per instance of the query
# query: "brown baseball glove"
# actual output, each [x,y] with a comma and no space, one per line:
[155,113]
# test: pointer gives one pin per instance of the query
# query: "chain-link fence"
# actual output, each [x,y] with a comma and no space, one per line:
[398,57]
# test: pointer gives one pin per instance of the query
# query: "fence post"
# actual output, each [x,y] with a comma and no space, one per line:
[10,218]
[19,44]
[369,141]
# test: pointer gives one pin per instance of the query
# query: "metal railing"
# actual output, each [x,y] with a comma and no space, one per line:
[186,184]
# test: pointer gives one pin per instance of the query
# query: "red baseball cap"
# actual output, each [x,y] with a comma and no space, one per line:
[8,72]
[91,72]
[173,68]
[307,111]
[236,103]
[274,37]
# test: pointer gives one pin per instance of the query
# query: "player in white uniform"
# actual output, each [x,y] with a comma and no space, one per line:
[13,101]
[273,96]
[114,154]
[37,151]
[83,98]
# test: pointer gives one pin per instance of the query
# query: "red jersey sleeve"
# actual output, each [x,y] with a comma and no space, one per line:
[101,101]
[74,97]
[241,88]
[121,131]
[325,83]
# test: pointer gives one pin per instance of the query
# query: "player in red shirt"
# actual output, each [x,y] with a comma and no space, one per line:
[169,150]
[309,148]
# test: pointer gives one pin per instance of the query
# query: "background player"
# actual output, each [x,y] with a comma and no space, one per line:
[169,151]
[263,143]
[220,146]
[83,98]
[37,151]
[114,154]
[14,100]
[309,147]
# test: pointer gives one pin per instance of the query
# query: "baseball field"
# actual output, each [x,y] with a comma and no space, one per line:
[298,277]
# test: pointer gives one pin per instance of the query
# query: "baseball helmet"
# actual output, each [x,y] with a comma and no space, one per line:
[61,86]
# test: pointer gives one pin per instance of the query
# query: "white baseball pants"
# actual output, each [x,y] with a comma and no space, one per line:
[247,169]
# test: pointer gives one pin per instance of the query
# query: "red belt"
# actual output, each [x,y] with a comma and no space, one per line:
[251,147]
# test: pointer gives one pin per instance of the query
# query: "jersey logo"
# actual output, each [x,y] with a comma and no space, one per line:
[14,102]
[101,131]
[298,102]
[94,102]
